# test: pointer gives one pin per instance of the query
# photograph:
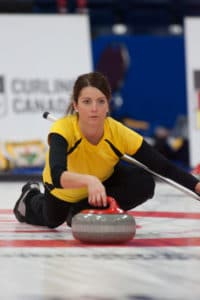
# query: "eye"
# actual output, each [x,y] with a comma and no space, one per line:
[102,101]
[86,101]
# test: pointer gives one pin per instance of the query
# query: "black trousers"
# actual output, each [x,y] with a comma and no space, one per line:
[129,185]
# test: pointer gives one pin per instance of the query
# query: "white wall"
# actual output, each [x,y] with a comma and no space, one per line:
[40,57]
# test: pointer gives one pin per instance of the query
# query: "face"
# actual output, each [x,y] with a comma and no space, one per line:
[92,106]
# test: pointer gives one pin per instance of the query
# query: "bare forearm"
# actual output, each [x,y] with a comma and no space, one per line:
[74,180]
[96,190]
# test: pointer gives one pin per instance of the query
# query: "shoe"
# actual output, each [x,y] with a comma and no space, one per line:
[196,171]
[70,215]
[20,206]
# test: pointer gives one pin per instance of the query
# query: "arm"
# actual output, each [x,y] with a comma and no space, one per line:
[62,178]
[197,188]
[158,163]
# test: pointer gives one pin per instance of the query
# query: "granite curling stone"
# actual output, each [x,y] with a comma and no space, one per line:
[111,225]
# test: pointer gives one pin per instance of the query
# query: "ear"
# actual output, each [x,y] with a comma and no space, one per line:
[75,106]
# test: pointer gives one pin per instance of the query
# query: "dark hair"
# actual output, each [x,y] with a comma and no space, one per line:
[93,79]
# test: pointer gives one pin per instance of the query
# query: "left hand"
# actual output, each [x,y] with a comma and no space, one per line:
[197,188]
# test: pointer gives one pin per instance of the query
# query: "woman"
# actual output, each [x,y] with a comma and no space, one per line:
[83,162]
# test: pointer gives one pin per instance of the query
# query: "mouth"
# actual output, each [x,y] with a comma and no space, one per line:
[93,117]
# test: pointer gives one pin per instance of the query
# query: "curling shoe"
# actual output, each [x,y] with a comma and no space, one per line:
[30,188]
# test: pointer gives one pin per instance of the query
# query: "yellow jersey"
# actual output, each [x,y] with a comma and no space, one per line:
[85,158]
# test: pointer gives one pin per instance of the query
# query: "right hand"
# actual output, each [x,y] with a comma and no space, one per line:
[96,192]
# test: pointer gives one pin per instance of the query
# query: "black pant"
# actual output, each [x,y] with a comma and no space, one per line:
[129,185]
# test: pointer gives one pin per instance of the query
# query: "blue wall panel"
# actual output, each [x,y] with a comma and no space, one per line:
[154,86]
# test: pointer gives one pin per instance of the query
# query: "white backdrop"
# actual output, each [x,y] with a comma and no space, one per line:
[40,57]
[192,50]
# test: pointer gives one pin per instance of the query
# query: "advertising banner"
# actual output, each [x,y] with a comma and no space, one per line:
[192,51]
[40,57]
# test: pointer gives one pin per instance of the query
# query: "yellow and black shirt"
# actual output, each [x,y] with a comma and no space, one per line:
[85,158]
[70,150]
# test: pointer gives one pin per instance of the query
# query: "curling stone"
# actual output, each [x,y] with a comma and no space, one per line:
[111,225]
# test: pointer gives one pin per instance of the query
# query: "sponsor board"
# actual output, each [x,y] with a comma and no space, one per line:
[41,56]
[192,50]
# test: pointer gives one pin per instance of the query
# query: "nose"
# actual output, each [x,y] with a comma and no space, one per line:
[94,105]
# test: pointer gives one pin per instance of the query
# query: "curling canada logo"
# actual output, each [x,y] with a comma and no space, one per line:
[33,95]
[3,104]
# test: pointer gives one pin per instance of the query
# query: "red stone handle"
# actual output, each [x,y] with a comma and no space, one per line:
[112,209]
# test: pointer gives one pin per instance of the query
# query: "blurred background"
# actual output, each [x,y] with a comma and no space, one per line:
[140,46]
